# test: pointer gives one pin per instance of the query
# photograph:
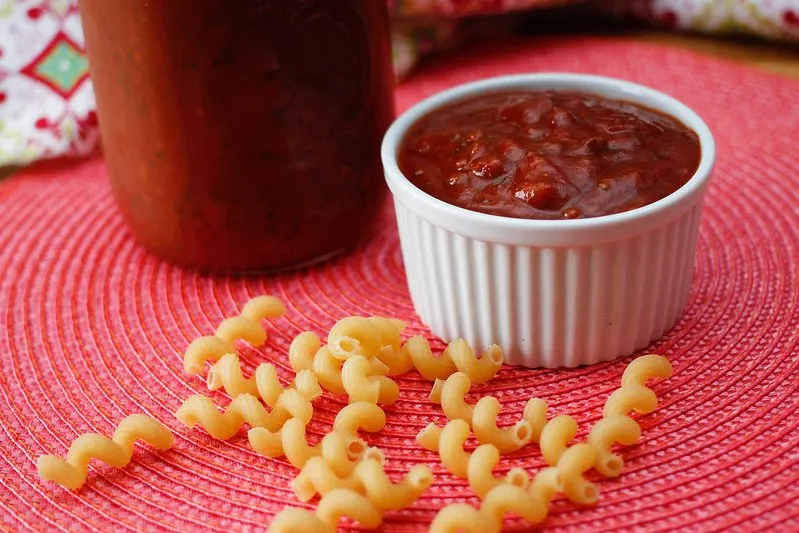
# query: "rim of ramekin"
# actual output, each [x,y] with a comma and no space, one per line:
[515,231]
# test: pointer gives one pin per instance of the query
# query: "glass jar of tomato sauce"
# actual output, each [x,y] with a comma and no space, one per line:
[243,135]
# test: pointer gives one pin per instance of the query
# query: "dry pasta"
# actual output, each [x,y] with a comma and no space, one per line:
[71,472]
[332,507]
[617,426]
[328,370]
[199,409]
[457,357]
[339,451]
[390,331]
[480,471]
[506,439]
[448,442]
[535,412]
[302,351]
[479,369]
[247,326]
[369,478]
[359,415]
[264,383]
[614,429]
[354,335]
[427,364]
[393,354]
[361,386]
[450,393]
[556,436]
[463,518]
[572,465]
[628,398]
[546,485]
[336,464]
[501,500]
[645,368]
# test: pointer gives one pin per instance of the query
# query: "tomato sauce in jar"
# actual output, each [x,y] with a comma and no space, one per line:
[243,135]
[548,155]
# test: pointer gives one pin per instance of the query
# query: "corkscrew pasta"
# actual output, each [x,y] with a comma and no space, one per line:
[646,367]
[572,465]
[227,374]
[457,357]
[616,426]
[499,501]
[199,409]
[361,386]
[428,365]
[450,394]
[614,429]
[556,436]
[506,439]
[359,415]
[328,370]
[354,335]
[630,398]
[392,354]
[332,507]
[369,478]
[358,359]
[339,451]
[247,326]
[71,472]
[480,471]
[479,369]
[448,442]
[302,351]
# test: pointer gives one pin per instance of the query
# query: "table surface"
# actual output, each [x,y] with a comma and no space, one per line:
[779,58]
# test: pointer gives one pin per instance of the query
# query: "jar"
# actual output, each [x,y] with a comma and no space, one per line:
[243,135]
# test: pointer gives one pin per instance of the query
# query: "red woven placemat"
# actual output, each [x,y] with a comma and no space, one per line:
[93,328]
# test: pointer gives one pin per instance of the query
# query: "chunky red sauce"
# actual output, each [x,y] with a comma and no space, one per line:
[548,155]
[243,134]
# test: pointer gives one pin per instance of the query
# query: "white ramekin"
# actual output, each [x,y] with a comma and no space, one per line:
[552,292]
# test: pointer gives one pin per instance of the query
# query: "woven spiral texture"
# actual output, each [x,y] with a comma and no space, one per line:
[93,329]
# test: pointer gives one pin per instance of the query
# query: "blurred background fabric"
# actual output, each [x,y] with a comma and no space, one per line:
[47,103]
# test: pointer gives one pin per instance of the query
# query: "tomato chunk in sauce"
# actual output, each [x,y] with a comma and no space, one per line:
[548,155]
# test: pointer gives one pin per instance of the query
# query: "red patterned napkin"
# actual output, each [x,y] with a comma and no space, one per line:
[93,330]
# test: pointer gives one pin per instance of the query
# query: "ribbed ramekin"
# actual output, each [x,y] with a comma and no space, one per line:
[553,293]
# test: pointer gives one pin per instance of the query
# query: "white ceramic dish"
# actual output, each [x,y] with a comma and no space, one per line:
[552,292]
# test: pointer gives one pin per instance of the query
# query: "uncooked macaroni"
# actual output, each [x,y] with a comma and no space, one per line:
[360,386]
[117,451]
[628,398]
[302,351]
[448,442]
[369,477]
[428,365]
[354,335]
[614,429]
[481,467]
[359,415]
[332,507]
[479,369]
[646,367]
[227,374]
[199,409]
[451,393]
[556,436]
[572,465]
[506,439]
[339,451]
[247,327]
